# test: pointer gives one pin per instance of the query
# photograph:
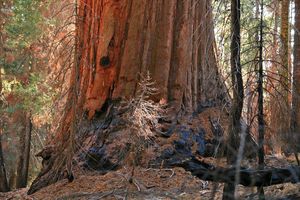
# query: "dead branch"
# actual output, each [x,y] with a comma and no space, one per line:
[248,177]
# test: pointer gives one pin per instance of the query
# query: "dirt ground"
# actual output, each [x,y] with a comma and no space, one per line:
[152,184]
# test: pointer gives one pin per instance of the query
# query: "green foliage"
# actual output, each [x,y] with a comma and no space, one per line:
[24,71]
[34,96]
[250,22]
[22,77]
[23,28]
[18,65]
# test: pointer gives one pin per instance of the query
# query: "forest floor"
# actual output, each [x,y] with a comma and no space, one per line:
[153,184]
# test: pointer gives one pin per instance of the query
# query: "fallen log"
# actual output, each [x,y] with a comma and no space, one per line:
[248,177]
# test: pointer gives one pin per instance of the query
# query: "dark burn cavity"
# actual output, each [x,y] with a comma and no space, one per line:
[105,61]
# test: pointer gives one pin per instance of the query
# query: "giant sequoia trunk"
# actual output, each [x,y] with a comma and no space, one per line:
[171,39]
[116,42]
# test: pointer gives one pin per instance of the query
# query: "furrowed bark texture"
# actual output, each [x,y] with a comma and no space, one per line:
[173,40]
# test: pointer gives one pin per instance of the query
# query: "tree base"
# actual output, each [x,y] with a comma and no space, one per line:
[106,144]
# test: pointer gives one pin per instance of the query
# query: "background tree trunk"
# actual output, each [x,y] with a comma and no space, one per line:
[284,35]
[23,163]
[273,107]
[295,119]
[3,179]
[120,40]
[284,109]
[280,109]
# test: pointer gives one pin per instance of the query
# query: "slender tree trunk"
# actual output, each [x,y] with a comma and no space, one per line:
[295,119]
[237,81]
[260,116]
[119,40]
[238,94]
[3,179]
[23,163]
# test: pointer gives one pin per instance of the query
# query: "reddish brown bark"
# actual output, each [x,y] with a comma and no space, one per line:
[273,107]
[279,100]
[284,88]
[172,39]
